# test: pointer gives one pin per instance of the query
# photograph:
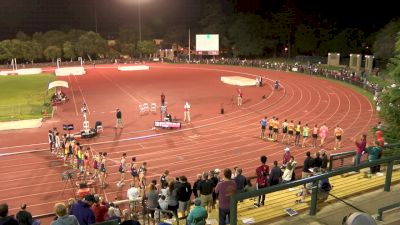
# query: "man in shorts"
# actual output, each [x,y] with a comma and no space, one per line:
[276,129]
[205,190]
[118,115]
[338,137]
[184,194]
[290,132]
[263,123]
[284,130]
[271,123]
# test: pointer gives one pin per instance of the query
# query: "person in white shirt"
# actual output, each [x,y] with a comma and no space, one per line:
[186,112]
[133,192]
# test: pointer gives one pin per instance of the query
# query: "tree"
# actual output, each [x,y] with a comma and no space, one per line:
[282,26]
[91,44]
[52,52]
[390,104]
[113,54]
[147,47]
[5,50]
[218,16]
[384,45]
[248,36]
[33,50]
[53,38]
[345,42]
[22,36]
[305,39]
[68,50]
[125,48]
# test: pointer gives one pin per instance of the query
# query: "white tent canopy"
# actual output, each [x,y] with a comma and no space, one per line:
[58,83]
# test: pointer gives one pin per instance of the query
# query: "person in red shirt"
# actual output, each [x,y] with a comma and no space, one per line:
[262,179]
[225,189]
[99,210]
[360,149]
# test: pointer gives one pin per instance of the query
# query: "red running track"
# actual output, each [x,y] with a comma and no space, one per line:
[30,174]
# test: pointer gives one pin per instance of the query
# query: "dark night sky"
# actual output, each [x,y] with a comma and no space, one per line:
[42,15]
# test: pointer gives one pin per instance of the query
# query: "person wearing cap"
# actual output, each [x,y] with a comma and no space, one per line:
[62,216]
[286,157]
[82,211]
[198,215]
[118,115]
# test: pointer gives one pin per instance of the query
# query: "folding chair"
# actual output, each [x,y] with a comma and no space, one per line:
[141,109]
[145,107]
[153,108]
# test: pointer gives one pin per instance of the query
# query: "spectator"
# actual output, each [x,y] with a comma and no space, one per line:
[99,209]
[152,199]
[288,173]
[374,153]
[249,186]
[164,182]
[4,218]
[275,175]
[172,198]
[214,177]
[112,214]
[225,190]
[307,165]
[129,219]
[82,211]
[317,162]
[262,179]
[360,149]
[162,202]
[133,193]
[286,157]
[205,190]
[195,185]
[324,159]
[240,180]
[62,217]
[24,217]
[198,215]
[184,194]
[359,218]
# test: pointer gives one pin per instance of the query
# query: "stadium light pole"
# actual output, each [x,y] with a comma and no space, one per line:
[140,21]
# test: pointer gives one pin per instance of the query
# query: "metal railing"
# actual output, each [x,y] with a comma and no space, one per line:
[314,180]
[386,208]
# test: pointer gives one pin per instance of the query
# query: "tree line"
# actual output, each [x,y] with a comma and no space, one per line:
[285,32]
[68,45]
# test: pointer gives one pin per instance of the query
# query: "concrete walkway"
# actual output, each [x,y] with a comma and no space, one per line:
[21,124]
[333,214]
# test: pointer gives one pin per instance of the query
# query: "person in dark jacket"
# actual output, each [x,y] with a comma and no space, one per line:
[184,194]
[82,210]
[317,160]
[4,218]
[275,176]
[195,185]
[240,180]
[24,217]
[307,165]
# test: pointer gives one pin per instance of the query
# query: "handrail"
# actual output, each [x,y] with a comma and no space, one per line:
[314,179]
[341,156]
[386,208]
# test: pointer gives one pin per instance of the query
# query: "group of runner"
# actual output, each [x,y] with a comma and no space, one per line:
[294,132]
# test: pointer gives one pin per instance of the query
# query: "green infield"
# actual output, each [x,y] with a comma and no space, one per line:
[24,97]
